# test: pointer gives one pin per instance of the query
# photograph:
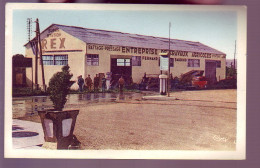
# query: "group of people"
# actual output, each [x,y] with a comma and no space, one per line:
[105,83]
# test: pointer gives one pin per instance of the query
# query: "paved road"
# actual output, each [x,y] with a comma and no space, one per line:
[27,135]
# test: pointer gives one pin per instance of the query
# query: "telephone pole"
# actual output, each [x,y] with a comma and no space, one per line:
[36,59]
[169,55]
[39,40]
[235,55]
[29,31]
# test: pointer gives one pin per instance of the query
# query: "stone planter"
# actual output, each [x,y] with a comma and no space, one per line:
[58,127]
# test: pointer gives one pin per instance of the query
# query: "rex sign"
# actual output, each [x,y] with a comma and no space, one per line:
[53,43]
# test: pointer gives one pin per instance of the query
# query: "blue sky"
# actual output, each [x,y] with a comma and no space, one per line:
[212,28]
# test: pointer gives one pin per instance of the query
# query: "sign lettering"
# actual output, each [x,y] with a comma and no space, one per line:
[180,59]
[149,58]
[151,51]
[112,48]
[44,44]
[135,50]
[62,41]
[201,55]
[53,43]
[176,53]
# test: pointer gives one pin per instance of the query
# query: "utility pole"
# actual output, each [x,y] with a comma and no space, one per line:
[235,55]
[39,40]
[29,31]
[169,55]
[36,59]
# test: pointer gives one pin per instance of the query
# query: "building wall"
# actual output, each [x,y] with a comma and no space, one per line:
[58,42]
[150,61]
[51,45]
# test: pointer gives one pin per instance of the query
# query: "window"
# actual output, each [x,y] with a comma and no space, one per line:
[136,60]
[92,59]
[171,62]
[60,59]
[123,62]
[47,60]
[218,64]
[193,63]
[55,59]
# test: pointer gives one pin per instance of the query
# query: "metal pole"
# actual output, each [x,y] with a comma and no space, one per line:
[235,55]
[169,54]
[36,62]
[39,40]
[32,76]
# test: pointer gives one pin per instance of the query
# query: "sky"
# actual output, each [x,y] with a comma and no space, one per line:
[215,29]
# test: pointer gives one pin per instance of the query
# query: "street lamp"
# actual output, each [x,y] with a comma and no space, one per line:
[58,127]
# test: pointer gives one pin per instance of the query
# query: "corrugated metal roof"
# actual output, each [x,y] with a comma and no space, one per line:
[132,40]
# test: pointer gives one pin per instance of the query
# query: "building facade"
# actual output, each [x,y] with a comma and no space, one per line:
[91,52]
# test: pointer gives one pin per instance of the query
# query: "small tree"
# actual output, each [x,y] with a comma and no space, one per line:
[59,87]
[231,72]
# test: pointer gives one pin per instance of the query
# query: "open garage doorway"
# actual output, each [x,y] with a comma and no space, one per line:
[210,71]
[121,67]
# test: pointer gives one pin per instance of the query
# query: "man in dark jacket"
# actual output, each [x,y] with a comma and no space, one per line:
[96,83]
[80,83]
[88,82]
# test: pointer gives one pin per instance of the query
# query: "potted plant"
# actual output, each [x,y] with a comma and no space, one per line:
[58,124]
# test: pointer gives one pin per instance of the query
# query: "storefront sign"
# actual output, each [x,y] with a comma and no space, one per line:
[149,58]
[95,47]
[180,59]
[176,53]
[53,43]
[206,55]
[151,51]
[112,48]
[125,50]
[135,50]
[201,55]
[164,63]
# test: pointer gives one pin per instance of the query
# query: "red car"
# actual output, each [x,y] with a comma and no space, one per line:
[199,82]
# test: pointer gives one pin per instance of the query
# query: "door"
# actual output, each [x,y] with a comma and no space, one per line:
[121,67]
[210,71]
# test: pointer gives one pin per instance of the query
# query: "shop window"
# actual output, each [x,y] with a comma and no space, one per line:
[92,59]
[193,63]
[218,64]
[123,62]
[136,60]
[60,59]
[171,62]
[47,60]
[55,59]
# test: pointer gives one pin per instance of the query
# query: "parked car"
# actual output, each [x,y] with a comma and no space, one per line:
[199,82]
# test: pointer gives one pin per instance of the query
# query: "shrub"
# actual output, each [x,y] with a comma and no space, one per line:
[59,87]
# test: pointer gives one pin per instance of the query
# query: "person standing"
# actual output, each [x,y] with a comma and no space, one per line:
[80,83]
[96,83]
[88,81]
[103,84]
[121,83]
[108,79]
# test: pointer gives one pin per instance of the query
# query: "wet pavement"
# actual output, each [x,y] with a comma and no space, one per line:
[28,106]
[29,135]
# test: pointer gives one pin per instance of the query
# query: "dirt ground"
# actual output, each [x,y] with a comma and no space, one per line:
[195,120]
[190,120]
